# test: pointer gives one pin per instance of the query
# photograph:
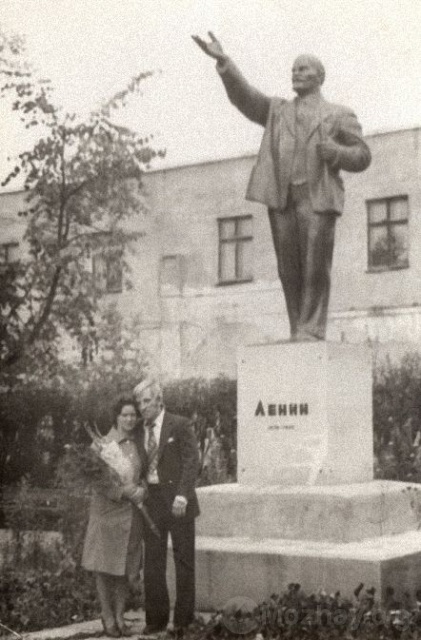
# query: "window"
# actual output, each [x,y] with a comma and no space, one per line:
[108,270]
[235,250]
[388,233]
[9,253]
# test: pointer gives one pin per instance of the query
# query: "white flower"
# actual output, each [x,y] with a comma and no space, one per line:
[112,455]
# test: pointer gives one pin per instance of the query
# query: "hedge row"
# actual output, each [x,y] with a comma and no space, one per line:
[39,417]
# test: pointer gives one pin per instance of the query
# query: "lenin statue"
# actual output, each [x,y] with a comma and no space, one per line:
[306,143]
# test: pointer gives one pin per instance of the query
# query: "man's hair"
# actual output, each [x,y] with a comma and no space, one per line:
[149,383]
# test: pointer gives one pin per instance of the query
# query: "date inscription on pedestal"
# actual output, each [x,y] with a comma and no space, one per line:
[277,427]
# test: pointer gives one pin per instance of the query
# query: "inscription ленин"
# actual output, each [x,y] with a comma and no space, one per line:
[291,409]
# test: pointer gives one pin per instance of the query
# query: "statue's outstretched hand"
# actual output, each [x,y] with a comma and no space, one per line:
[213,48]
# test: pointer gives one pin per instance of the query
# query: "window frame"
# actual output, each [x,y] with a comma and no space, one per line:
[388,224]
[6,246]
[237,240]
[101,254]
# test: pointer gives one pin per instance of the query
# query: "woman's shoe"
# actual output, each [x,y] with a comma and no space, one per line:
[125,630]
[112,631]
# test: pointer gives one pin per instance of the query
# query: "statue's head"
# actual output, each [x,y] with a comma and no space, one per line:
[308,74]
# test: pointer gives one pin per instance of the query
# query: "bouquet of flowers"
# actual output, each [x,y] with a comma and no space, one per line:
[109,452]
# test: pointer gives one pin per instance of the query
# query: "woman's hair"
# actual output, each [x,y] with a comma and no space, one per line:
[121,402]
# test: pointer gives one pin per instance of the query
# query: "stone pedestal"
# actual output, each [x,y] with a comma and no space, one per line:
[304,414]
[253,541]
[306,508]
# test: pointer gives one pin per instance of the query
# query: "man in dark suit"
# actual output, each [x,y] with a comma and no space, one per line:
[307,141]
[171,451]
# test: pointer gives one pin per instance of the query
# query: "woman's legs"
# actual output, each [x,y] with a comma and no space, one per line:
[120,599]
[105,589]
[112,593]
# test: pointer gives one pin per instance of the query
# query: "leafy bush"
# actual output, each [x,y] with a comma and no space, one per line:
[64,510]
[33,508]
[397,419]
[212,406]
[28,595]
[295,615]
[37,574]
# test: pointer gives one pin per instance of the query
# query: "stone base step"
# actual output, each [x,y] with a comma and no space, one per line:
[334,513]
[229,567]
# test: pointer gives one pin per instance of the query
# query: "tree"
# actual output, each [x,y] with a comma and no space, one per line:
[83,180]
[41,414]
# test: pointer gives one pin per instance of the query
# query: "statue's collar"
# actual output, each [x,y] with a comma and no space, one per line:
[310,100]
[289,112]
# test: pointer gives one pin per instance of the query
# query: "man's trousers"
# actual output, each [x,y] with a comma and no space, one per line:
[303,241]
[182,531]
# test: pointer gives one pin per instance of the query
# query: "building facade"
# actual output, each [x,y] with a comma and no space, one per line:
[204,273]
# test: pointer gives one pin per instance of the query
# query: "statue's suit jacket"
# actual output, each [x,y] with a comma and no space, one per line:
[271,174]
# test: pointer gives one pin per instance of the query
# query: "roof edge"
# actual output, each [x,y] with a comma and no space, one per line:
[249,154]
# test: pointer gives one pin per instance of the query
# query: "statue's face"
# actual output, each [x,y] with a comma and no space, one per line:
[306,76]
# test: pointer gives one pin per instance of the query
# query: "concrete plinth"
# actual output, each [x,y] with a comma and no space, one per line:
[254,541]
[227,567]
[304,414]
[305,509]
[341,513]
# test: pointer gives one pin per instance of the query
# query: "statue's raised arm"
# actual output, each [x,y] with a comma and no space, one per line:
[250,101]
[213,48]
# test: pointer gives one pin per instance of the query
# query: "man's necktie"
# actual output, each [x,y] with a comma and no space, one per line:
[152,451]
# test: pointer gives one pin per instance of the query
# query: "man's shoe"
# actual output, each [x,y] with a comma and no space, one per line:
[179,631]
[112,631]
[153,629]
[125,630]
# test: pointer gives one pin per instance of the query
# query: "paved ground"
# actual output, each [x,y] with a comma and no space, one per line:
[86,630]
[92,629]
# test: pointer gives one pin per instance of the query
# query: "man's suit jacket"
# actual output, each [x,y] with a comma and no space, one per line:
[178,461]
[271,175]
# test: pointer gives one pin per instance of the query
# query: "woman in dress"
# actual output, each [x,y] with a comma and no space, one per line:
[113,542]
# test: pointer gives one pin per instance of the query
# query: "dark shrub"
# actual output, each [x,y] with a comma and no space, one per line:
[397,419]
